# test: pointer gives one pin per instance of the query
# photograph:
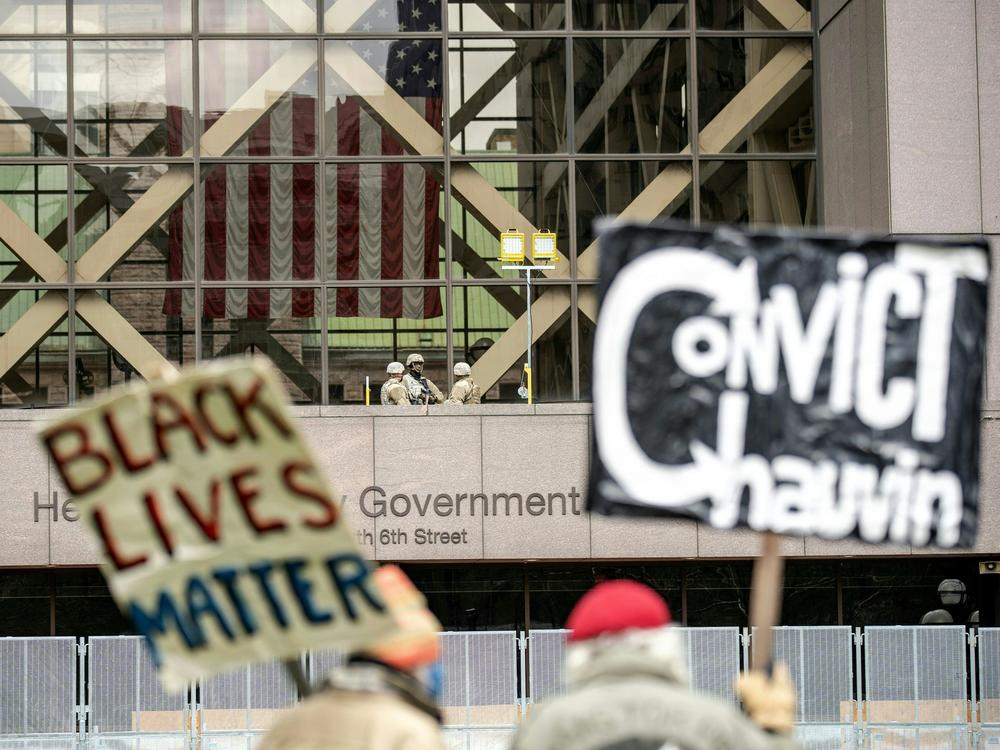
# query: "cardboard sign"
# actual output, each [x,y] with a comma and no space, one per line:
[800,384]
[221,540]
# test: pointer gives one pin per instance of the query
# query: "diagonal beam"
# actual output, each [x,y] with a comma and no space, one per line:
[762,95]
[119,334]
[475,265]
[635,54]
[419,136]
[783,14]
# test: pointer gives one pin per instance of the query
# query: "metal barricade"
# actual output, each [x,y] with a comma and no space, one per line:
[480,697]
[38,682]
[916,693]
[237,706]
[988,664]
[546,664]
[820,661]
[128,709]
[713,660]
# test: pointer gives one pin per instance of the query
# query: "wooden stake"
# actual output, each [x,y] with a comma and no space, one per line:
[765,599]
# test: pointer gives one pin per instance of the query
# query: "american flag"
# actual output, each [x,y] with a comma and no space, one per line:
[262,221]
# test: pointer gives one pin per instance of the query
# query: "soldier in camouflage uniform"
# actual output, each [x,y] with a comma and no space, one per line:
[465,390]
[393,392]
[421,390]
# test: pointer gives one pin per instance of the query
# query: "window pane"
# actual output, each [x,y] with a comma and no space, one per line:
[383,221]
[104,193]
[372,326]
[249,75]
[241,16]
[759,192]
[290,335]
[606,188]
[508,95]
[34,74]
[130,16]
[360,124]
[152,314]
[383,16]
[26,603]
[630,95]
[616,15]
[42,377]
[586,329]
[718,595]
[37,197]
[780,119]
[537,191]
[133,98]
[33,17]
[496,15]
[750,14]
[260,224]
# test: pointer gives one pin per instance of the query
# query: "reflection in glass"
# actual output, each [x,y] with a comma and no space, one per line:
[383,222]
[133,16]
[32,17]
[375,16]
[759,192]
[288,332]
[356,71]
[170,335]
[105,192]
[249,75]
[372,326]
[33,98]
[133,98]
[42,377]
[782,119]
[624,15]
[630,95]
[508,95]
[37,196]
[535,190]
[496,15]
[736,15]
[606,188]
[260,224]
[243,16]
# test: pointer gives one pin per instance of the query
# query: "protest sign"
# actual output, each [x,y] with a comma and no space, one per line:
[793,383]
[220,537]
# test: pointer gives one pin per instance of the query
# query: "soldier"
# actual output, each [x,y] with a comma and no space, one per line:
[422,390]
[465,390]
[393,392]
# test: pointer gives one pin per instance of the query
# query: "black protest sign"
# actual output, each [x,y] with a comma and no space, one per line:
[801,384]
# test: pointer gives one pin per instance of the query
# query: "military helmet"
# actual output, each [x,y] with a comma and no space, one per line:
[462,369]
[394,368]
[414,358]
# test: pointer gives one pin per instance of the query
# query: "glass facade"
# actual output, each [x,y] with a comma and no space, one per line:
[272,177]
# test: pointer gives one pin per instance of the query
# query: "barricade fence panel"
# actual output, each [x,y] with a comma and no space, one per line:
[988,652]
[915,689]
[38,682]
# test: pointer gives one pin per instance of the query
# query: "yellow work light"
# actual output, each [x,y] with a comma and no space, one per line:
[512,246]
[543,247]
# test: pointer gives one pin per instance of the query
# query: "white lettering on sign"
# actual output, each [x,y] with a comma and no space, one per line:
[751,342]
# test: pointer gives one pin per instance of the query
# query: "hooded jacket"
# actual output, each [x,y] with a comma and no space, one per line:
[629,693]
[366,705]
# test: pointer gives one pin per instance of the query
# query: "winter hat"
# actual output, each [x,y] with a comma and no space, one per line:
[615,607]
[416,641]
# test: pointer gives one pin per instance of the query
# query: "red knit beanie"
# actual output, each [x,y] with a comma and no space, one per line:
[616,606]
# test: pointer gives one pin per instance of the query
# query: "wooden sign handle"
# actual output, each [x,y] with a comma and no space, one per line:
[765,599]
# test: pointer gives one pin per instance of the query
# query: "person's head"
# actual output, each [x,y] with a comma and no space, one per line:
[415,643]
[462,369]
[395,370]
[623,621]
[415,363]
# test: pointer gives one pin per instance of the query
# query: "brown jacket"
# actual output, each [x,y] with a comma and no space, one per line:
[364,707]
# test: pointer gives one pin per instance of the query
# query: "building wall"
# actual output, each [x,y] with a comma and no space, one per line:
[426,467]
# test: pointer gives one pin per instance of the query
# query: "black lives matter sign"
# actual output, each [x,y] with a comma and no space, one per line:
[800,384]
